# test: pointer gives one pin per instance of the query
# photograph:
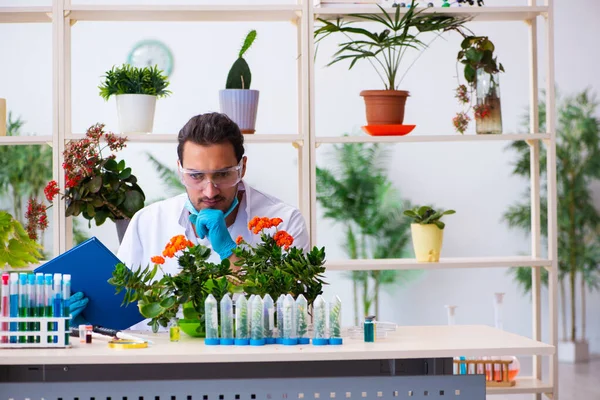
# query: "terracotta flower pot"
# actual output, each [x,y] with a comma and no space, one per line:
[385,107]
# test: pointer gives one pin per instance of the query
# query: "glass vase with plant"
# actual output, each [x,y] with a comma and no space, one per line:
[96,187]
[482,73]
[385,51]
[136,90]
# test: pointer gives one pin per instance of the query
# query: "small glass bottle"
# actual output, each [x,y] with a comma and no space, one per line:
[226,321]
[290,336]
[242,337]
[302,320]
[174,330]
[268,319]
[369,329]
[320,322]
[211,321]
[335,321]
[279,338]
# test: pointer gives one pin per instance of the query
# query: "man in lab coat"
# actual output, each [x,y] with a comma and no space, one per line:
[216,207]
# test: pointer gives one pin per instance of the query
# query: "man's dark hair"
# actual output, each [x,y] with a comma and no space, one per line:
[211,128]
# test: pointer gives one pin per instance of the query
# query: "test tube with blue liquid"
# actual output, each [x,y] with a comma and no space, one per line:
[257,322]
[279,338]
[66,295]
[48,299]
[31,306]
[320,322]
[268,319]
[39,302]
[57,303]
[23,305]
[242,336]
[211,321]
[302,319]
[290,336]
[14,303]
[226,321]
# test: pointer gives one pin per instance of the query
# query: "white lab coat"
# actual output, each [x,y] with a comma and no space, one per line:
[152,227]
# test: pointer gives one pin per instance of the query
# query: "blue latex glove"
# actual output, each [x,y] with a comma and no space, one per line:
[77,303]
[211,222]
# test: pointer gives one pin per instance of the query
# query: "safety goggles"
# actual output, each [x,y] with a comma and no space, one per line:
[222,178]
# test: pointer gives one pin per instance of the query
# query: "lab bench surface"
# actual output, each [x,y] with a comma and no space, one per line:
[408,342]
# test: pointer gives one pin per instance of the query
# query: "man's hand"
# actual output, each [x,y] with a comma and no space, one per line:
[211,223]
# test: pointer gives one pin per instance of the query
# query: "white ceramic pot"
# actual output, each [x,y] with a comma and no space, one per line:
[241,105]
[136,112]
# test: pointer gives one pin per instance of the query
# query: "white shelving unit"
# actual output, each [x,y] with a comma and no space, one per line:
[63,16]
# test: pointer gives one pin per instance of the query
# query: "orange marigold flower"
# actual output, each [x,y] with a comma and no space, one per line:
[253,222]
[283,239]
[157,260]
[276,221]
[239,239]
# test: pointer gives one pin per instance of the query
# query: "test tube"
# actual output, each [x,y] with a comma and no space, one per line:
[289,321]
[257,322]
[498,300]
[14,303]
[250,299]
[5,304]
[451,314]
[66,312]
[320,322]
[268,319]
[302,319]
[31,309]
[23,305]
[211,321]
[242,338]
[335,321]
[57,304]
[48,302]
[226,321]
[279,339]
[39,302]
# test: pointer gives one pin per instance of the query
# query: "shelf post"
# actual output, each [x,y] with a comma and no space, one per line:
[534,156]
[310,103]
[552,198]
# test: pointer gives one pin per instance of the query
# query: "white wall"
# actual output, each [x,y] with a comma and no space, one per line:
[473,178]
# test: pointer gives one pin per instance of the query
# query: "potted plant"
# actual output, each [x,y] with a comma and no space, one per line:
[272,267]
[385,51]
[136,91]
[237,100]
[427,232]
[481,71]
[97,187]
[17,248]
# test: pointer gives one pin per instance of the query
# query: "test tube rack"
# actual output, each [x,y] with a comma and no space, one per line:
[490,368]
[58,335]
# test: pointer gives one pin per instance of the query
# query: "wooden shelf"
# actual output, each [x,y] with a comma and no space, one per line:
[525,385]
[172,138]
[444,263]
[185,12]
[20,140]
[407,342]
[485,13]
[25,14]
[431,138]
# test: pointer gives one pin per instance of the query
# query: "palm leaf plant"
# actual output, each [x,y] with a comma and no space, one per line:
[578,165]
[357,194]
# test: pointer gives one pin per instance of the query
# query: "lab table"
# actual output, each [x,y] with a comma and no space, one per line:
[414,362]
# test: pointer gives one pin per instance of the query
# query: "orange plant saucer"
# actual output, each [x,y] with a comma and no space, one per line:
[388,130]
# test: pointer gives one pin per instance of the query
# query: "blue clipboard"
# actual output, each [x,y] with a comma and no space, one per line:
[91,265]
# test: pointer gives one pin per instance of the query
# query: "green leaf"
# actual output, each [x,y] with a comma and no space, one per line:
[111,165]
[124,174]
[95,184]
[473,55]
[151,310]
[440,224]
[73,209]
[168,302]
[90,209]
[470,73]
[121,165]
[134,201]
